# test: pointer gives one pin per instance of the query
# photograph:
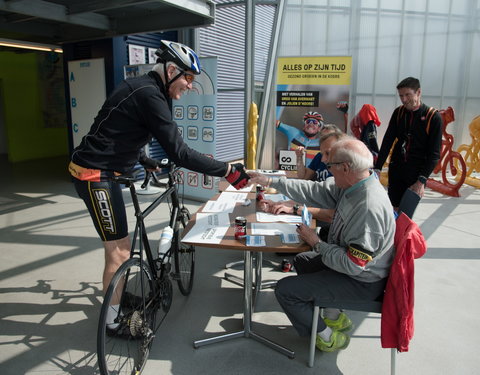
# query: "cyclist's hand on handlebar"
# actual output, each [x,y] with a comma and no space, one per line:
[151,165]
[237,177]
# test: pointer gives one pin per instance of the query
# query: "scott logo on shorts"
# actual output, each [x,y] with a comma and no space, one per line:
[105,210]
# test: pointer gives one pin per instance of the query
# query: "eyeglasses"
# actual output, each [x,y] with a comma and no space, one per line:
[330,165]
[188,76]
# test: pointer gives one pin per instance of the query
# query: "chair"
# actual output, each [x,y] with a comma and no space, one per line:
[394,305]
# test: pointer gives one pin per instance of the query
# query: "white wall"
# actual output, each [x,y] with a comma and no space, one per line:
[437,41]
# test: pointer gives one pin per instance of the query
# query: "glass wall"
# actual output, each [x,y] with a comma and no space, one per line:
[437,41]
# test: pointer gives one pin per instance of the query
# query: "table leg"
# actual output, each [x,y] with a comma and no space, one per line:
[247,315]
[258,283]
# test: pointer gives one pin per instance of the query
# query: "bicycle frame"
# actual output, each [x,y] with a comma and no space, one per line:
[140,230]
[145,291]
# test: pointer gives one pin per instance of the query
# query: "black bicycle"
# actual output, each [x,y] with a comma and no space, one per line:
[140,293]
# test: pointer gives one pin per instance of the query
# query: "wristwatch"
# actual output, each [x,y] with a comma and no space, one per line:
[295,209]
[422,179]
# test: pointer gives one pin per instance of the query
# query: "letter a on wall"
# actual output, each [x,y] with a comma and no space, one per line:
[87,94]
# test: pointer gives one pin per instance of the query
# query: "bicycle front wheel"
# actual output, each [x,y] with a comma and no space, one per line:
[184,255]
[124,344]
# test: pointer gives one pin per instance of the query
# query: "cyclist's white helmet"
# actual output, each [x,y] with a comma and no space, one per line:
[180,54]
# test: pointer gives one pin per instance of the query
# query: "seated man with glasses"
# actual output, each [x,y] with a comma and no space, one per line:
[355,261]
[321,215]
[316,169]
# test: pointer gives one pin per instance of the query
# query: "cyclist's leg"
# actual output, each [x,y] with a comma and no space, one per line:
[105,204]
[116,253]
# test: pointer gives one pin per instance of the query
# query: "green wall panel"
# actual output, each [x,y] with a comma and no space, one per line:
[28,137]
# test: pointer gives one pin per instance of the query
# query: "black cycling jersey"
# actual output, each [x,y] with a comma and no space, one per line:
[418,137]
[137,110]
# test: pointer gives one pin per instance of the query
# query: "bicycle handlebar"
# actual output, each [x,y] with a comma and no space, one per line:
[133,175]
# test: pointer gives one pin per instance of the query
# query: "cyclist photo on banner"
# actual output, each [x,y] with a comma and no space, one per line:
[308,137]
[308,89]
[301,127]
[138,109]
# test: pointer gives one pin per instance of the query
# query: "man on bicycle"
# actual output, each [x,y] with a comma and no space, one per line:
[138,109]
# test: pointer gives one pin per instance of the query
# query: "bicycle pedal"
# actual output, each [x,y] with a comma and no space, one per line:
[175,276]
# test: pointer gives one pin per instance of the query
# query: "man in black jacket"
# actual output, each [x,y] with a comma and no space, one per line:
[417,130]
[138,109]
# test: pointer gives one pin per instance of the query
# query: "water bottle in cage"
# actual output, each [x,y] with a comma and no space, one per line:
[165,241]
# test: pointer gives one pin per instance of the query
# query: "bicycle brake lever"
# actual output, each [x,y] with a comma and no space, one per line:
[146,179]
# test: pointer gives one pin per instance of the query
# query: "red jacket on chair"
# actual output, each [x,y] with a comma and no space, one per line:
[397,310]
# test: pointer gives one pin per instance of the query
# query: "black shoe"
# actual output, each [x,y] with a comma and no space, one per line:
[121,332]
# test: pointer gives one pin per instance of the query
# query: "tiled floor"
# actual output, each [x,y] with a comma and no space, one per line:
[50,296]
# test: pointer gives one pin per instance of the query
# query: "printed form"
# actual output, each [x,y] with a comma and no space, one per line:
[208,228]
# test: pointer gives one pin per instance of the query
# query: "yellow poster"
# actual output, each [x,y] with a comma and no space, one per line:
[311,92]
[328,70]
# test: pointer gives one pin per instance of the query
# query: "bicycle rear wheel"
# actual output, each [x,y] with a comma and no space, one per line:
[184,255]
[123,347]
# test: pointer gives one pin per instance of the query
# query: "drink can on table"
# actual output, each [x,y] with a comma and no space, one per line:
[260,192]
[240,227]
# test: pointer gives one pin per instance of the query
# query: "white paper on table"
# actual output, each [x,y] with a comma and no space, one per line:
[219,206]
[272,229]
[232,196]
[246,189]
[208,228]
[272,172]
[276,197]
[264,217]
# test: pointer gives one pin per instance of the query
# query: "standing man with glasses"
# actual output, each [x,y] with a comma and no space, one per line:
[417,131]
[137,110]
[355,261]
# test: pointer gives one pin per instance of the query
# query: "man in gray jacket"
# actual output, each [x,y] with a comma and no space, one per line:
[355,261]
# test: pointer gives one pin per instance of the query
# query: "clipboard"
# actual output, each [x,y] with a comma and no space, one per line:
[409,203]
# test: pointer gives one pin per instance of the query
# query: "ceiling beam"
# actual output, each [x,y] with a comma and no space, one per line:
[205,8]
[101,5]
[154,22]
[55,12]
[37,29]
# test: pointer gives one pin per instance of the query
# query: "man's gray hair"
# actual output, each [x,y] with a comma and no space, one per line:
[330,127]
[337,133]
[354,152]
[158,67]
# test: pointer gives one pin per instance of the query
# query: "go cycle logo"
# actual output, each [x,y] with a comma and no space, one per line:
[287,160]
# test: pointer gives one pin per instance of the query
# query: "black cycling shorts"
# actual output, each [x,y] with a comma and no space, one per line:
[105,203]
